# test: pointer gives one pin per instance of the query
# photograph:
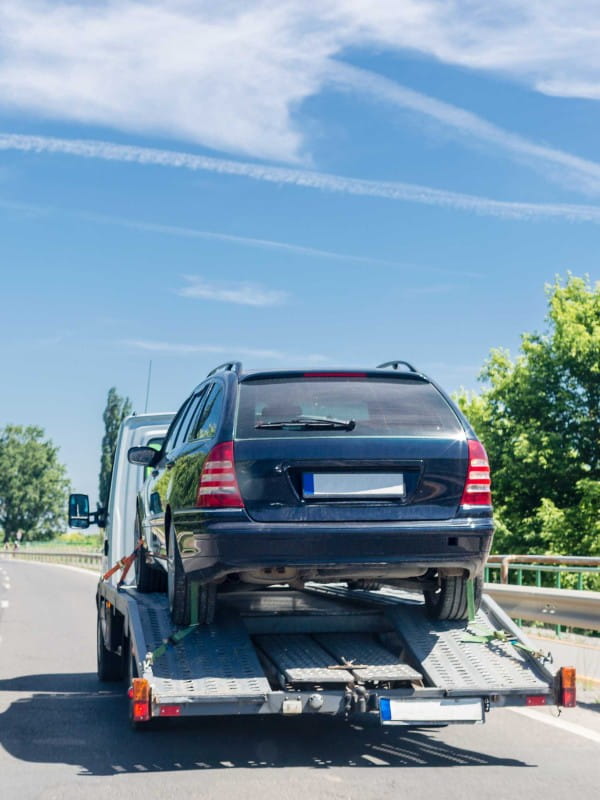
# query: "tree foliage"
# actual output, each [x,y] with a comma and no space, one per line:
[539,419]
[117,408]
[33,484]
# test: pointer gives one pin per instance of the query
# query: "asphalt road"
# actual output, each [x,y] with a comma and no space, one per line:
[65,735]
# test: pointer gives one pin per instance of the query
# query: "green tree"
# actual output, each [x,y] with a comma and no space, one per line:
[117,408]
[33,484]
[539,419]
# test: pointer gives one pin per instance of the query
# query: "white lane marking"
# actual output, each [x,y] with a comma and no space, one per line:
[3,603]
[378,762]
[568,727]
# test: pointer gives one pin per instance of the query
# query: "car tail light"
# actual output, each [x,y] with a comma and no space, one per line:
[218,486]
[477,491]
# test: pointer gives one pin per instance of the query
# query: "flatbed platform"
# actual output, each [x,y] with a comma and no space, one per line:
[331,650]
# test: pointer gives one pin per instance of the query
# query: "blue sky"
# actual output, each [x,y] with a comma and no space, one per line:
[340,182]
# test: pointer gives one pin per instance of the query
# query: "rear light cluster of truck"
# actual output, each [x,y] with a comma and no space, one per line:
[218,486]
[477,491]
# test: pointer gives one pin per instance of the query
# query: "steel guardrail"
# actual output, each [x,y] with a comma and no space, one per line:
[572,607]
[90,561]
[575,608]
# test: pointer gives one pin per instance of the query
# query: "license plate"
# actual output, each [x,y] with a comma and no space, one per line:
[353,484]
[430,711]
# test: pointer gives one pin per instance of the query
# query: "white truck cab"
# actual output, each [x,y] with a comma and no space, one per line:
[118,519]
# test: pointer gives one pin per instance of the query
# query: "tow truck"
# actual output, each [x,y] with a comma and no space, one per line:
[321,650]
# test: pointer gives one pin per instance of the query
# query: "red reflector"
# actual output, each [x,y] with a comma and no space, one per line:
[335,375]
[170,711]
[218,486]
[477,485]
[535,700]
[140,712]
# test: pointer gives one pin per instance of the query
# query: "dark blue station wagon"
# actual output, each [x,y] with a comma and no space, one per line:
[372,477]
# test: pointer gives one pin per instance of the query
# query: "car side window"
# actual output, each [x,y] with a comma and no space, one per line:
[190,415]
[175,426]
[208,420]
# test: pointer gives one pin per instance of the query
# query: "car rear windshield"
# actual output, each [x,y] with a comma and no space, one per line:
[378,407]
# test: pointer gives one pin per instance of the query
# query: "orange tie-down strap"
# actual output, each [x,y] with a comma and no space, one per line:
[124,564]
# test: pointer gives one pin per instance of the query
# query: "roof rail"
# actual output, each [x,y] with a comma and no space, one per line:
[228,366]
[395,364]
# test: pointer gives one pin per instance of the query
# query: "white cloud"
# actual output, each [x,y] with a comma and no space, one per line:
[388,190]
[245,294]
[233,75]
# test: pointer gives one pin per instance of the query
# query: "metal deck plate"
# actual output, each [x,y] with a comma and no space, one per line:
[457,666]
[301,659]
[364,649]
[214,661]
[277,602]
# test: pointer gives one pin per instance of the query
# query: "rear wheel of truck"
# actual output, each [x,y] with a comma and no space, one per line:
[449,600]
[110,665]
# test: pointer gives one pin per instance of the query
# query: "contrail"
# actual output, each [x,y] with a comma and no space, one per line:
[577,171]
[108,151]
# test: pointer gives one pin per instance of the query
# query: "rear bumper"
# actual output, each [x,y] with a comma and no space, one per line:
[217,549]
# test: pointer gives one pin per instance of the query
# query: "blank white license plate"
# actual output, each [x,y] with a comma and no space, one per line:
[430,710]
[353,484]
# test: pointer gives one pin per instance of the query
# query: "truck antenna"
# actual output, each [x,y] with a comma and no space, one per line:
[148,385]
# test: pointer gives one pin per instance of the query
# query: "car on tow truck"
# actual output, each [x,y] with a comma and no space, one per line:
[370,477]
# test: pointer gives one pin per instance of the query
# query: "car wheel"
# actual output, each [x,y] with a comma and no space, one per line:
[449,600]
[177,583]
[207,602]
[110,665]
[147,578]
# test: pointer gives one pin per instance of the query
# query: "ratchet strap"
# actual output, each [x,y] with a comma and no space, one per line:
[124,564]
[508,638]
[172,640]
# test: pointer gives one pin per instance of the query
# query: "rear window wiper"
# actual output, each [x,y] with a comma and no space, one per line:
[309,423]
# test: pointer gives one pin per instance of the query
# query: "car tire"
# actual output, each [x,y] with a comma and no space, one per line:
[110,665]
[177,583]
[449,600]
[207,603]
[147,578]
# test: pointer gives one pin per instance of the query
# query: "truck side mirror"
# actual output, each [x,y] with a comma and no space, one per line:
[79,511]
[143,456]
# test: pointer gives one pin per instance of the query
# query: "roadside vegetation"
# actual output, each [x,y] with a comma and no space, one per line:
[538,416]
[33,485]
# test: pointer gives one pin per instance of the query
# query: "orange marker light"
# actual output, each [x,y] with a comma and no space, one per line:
[140,695]
[568,690]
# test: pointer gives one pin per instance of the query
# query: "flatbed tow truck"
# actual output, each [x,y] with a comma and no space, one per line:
[325,649]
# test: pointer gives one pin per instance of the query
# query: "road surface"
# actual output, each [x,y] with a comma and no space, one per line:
[65,735]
